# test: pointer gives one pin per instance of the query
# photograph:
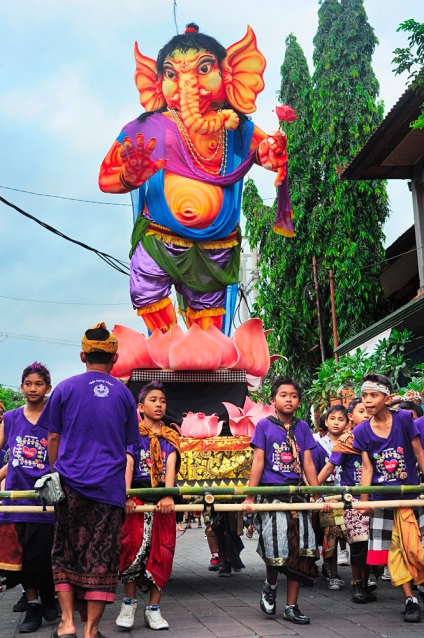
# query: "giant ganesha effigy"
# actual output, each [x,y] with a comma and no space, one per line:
[183,161]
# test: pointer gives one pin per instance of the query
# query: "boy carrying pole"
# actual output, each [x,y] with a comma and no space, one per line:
[389,442]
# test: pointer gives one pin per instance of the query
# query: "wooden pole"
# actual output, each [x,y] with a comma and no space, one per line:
[239,507]
[244,490]
[333,315]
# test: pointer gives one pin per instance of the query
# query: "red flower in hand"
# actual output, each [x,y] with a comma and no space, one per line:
[285,113]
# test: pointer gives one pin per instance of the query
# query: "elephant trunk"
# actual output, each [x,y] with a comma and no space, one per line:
[192,118]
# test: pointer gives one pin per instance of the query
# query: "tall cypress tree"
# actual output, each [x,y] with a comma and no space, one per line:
[347,220]
[339,223]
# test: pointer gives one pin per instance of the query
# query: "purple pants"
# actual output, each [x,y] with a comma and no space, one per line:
[150,284]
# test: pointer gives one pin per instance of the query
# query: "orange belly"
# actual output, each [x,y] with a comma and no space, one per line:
[194,204]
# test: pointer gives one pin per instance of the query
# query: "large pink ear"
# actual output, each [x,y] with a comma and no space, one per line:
[243,70]
[148,84]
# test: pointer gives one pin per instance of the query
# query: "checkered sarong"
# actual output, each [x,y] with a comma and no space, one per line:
[381,526]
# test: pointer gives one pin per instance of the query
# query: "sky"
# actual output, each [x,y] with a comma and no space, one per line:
[67,88]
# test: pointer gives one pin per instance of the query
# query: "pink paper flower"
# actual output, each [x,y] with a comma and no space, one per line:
[242,422]
[196,425]
[285,113]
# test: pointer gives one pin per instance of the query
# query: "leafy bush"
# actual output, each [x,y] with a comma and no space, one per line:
[335,378]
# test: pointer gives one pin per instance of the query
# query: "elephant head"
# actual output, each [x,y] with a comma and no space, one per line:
[195,75]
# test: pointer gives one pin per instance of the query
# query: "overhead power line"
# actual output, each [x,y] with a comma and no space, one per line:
[64,303]
[117,264]
[63,342]
[72,199]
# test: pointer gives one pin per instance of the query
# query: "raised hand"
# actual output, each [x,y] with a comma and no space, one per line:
[272,154]
[137,166]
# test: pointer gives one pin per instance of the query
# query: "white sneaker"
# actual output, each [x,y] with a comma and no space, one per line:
[343,558]
[154,619]
[336,583]
[127,614]
[386,574]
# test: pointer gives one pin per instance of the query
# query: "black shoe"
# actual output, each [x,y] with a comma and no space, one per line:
[293,613]
[358,593]
[22,603]
[378,570]
[224,569]
[50,610]
[368,589]
[267,602]
[33,619]
[412,611]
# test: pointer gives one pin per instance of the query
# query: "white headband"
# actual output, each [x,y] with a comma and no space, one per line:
[377,387]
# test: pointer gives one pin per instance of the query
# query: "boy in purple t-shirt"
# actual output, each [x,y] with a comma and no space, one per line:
[356,524]
[28,461]
[390,445]
[282,456]
[148,539]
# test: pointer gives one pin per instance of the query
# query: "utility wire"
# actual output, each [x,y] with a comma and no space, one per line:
[175,16]
[63,342]
[117,264]
[64,303]
[72,199]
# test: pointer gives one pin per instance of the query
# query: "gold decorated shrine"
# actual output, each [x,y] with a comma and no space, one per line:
[215,461]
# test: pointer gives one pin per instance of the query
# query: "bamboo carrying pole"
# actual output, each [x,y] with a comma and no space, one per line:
[238,507]
[156,492]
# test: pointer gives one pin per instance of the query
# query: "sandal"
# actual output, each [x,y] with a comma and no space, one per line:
[56,635]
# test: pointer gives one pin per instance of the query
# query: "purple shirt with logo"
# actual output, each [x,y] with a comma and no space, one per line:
[392,458]
[350,465]
[141,455]
[279,461]
[96,417]
[28,461]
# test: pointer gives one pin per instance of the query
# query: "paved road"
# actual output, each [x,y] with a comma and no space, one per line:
[198,603]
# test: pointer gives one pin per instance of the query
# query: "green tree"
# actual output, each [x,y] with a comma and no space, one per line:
[411,59]
[11,398]
[348,215]
[338,222]
[284,264]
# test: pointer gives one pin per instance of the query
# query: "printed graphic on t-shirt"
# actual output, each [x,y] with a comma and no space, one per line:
[282,458]
[145,464]
[391,465]
[357,473]
[335,474]
[101,388]
[30,452]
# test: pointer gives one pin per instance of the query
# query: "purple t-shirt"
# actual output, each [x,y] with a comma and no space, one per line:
[392,458]
[319,456]
[141,455]
[28,461]
[96,417]
[350,465]
[279,461]
[420,425]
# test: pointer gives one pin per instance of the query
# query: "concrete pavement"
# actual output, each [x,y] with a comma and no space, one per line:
[198,603]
